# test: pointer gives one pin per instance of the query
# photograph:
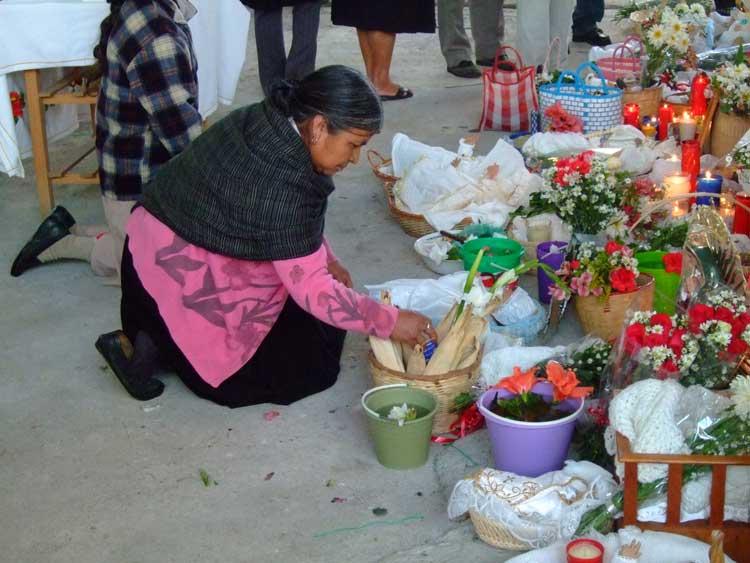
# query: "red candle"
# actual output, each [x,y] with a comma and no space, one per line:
[632,115]
[698,94]
[691,161]
[585,550]
[666,115]
[741,215]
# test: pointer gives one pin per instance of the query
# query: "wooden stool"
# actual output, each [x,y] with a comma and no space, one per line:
[36,100]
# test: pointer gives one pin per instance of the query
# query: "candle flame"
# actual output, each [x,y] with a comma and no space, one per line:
[708,174]
[674,158]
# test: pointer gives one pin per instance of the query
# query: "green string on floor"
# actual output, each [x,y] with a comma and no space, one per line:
[463,453]
[371,523]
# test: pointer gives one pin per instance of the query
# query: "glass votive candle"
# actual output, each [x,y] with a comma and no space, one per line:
[688,126]
[631,115]
[709,183]
[539,231]
[585,550]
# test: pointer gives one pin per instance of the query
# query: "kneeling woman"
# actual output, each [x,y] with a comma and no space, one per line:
[226,274]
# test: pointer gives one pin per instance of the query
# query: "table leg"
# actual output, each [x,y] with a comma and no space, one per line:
[38,131]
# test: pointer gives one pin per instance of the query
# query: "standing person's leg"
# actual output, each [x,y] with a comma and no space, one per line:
[269,41]
[454,43]
[364,45]
[561,13]
[488,29]
[301,60]
[533,22]
[587,14]
[382,44]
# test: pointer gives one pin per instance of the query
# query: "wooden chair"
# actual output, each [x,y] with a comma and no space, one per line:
[736,534]
[86,81]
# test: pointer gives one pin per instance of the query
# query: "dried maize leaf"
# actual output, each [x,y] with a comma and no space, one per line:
[406,352]
[445,325]
[469,359]
[443,358]
[417,363]
[475,327]
[385,352]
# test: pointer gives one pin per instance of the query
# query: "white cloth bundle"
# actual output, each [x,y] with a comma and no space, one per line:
[499,364]
[543,145]
[536,511]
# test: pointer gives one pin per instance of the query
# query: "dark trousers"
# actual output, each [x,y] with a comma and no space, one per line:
[587,14]
[299,356]
[273,62]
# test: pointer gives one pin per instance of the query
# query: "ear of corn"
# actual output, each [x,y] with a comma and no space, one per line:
[445,325]
[417,363]
[443,358]
[475,327]
[469,359]
[406,352]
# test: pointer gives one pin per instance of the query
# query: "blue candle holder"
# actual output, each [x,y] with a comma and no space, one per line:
[709,184]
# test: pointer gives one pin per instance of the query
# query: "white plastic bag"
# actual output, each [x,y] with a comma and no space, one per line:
[405,152]
[543,145]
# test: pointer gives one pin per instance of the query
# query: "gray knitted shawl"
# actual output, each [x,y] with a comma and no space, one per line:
[244,188]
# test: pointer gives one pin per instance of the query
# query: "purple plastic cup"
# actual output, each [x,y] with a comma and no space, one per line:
[529,449]
[552,259]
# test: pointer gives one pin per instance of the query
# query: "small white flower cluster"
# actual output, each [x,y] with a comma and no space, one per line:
[689,353]
[718,333]
[727,298]
[629,262]
[642,317]
[746,335]
[655,356]
[675,27]
[733,84]
[741,156]
[740,387]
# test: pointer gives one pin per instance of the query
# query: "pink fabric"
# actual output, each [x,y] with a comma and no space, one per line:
[218,309]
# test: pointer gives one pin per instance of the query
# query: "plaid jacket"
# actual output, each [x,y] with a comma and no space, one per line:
[147,110]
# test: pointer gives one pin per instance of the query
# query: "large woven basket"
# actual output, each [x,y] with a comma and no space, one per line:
[445,387]
[495,533]
[727,129]
[605,318]
[413,224]
[647,99]
[382,167]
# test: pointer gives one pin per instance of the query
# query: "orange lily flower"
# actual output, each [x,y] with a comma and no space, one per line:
[520,382]
[565,383]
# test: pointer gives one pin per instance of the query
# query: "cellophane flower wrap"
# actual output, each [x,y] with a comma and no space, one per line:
[598,271]
[584,192]
[726,433]
[700,346]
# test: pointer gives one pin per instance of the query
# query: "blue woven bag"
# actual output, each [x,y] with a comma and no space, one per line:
[599,107]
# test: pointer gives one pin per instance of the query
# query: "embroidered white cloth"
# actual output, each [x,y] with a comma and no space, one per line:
[537,511]
[62,33]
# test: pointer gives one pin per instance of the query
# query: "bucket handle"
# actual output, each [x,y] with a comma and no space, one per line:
[367,393]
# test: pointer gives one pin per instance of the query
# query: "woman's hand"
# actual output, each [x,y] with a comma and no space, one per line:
[413,328]
[340,274]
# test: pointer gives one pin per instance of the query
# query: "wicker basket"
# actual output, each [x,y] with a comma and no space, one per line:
[605,318]
[648,99]
[413,224]
[495,533]
[727,129]
[445,387]
[381,166]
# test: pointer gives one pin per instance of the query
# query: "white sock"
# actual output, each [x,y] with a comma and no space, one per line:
[71,247]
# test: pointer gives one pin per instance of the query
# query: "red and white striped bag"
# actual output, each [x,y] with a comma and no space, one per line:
[509,94]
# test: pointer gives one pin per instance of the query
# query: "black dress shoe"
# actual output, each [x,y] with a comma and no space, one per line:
[56,226]
[595,37]
[117,350]
[465,69]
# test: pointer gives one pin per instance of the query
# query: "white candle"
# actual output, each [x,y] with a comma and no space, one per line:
[675,185]
[687,127]
[665,167]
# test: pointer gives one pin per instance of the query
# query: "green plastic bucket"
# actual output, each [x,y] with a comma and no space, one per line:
[666,284]
[506,254]
[406,446]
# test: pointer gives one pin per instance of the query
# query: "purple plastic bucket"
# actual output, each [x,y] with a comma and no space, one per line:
[553,260]
[529,449]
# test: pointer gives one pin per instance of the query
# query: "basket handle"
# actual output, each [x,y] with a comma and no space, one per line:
[556,42]
[566,74]
[372,154]
[620,52]
[634,39]
[597,71]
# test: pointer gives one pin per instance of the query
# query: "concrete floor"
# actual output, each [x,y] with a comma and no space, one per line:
[89,475]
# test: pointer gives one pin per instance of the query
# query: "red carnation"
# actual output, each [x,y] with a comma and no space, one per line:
[699,314]
[662,320]
[611,247]
[623,280]
[724,314]
[670,367]
[655,339]
[673,262]
[676,343]
[635,334]
[574,265]
[737,346]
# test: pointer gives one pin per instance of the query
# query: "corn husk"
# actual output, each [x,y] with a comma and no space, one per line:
[387,353]
[475,327]
[444,357]
[469,359]
[445,325]
[417,363]
[406,353]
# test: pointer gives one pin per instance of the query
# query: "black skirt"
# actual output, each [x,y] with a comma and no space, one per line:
[392,16]
[299,356]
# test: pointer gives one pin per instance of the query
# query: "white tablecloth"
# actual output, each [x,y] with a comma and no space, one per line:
[52,34]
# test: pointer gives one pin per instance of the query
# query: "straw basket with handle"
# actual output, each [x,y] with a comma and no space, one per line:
[413,224]
[445,387]
[648,99]
[625,62]
[728,128]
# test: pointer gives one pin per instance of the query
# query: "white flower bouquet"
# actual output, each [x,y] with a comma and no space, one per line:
[732,83]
